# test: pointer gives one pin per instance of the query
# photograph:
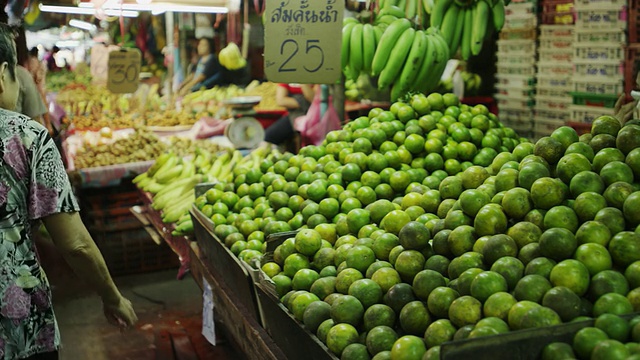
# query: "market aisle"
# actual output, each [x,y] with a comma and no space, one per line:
[164,306]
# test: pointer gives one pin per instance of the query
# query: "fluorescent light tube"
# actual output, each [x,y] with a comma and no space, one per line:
[85,11]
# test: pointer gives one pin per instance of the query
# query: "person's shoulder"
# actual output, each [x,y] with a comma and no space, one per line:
[15,122]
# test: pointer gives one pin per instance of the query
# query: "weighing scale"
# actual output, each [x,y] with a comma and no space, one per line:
[244,131]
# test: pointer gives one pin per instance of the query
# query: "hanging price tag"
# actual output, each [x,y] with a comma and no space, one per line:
[124,71]
[303,41]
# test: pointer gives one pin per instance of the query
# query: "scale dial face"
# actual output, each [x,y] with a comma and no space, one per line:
[245,133]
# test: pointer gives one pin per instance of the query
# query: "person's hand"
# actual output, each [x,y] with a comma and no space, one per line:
[624,112]
[120,313]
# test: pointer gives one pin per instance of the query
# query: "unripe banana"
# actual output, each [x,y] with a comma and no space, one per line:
[465,47]
[457,36]
[392,10]
[368,46]
[346,38]
[480,19]
[414,61]
[387,41]
[498,14]
[411,9]
[449,24]
[385,19]
[355,53]
[377,32]
[350,20]
[427,66]
[442,57]
[439,10]
[402,4]
[427,5]
[397,59]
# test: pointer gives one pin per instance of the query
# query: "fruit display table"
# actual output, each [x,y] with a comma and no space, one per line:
[244,331]
[163,232]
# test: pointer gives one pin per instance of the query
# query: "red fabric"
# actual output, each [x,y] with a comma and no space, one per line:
[292,89]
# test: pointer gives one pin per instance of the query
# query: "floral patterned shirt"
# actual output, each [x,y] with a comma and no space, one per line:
[33,185]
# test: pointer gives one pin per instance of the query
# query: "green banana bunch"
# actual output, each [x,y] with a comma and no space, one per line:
[464,24]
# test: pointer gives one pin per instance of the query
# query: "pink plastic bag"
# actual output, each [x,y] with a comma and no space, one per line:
[316,132]
[312,116]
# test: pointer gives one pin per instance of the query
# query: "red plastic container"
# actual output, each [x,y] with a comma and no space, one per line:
[557,6]
[557,18]
[634,18]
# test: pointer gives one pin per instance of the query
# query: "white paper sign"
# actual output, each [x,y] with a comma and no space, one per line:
[208,325]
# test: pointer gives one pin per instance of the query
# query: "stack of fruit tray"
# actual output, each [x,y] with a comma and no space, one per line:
[554,75]
[599,56]
[516,66]
[231,270]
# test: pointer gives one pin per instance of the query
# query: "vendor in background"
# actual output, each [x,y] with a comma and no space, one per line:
[206,68]
[625,112]
[50,59]
[38,71]
[30,99]
[297,98]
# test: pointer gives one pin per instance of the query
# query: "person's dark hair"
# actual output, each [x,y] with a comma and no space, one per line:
[8,49]
[22,51]
[55,49]
[34,52]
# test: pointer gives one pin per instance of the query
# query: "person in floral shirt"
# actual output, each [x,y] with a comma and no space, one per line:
[35,187]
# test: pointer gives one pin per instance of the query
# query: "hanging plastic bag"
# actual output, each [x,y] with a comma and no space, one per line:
[316,132]
[302,123]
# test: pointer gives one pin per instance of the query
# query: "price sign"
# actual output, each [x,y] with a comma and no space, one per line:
[100,63]
[303,40]
[124,71]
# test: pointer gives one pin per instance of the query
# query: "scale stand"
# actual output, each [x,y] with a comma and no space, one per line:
[244,131]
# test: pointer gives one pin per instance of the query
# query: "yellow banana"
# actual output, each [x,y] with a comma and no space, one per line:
[449,24]
[346,37]
[498,14]
[397,58]
[385,46]
[480,19]
[414,62]
[465,44]
[457,36]
[368,46]
[438,11]
[355,49]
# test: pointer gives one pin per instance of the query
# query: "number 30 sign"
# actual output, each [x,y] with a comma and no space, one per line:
[124,71]
[303,40]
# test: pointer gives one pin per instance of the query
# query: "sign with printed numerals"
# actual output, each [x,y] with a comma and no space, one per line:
[124,71]
[303,40]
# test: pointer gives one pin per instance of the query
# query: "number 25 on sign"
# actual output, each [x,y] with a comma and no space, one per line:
[124,71]
[302,41]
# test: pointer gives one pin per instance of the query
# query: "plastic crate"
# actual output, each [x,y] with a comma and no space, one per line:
[556,43]
[557,6]
[546,126]
[520,116]
[510,59]
[565,55]
[613,68]
[590,3]
[610,37]
[521,22]
[518,81]
[134,251]
[552,91]
[561,83]
[518,9]
[554,103]
[506,102]
[546,113]
[586,114]
[526,70]
[596,100]
[517,47]
[602,18]
[526,34]
[630,67]
[558,18]
[518,93]
[551,31]
[555,68]
[596,51]
[597,85]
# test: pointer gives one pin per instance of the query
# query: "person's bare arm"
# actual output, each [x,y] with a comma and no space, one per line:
[79,250]
[283,99]
[309,91]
